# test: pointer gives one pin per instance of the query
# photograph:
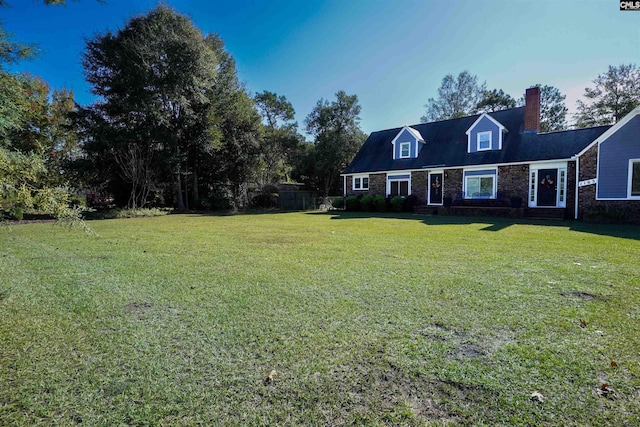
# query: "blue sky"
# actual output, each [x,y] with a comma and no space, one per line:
[393,54]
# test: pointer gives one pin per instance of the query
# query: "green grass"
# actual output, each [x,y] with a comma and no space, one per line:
[388,320]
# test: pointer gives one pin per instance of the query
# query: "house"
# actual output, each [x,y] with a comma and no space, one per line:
[499,158]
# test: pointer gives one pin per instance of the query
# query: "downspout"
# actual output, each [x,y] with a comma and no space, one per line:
[344,187]
[577,186]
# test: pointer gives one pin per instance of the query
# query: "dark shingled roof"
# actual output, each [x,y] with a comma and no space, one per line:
[446,145]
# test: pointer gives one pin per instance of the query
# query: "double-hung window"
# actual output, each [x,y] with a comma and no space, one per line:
[405,150]
[484,141]
[361,182]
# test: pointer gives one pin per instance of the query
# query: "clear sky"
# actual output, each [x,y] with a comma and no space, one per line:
[393,54]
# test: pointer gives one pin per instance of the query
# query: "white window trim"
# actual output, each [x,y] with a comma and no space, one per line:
[402,144]
[494,190]
[440,172]
[630,179]
[478,140]
[389,181]
[361,187]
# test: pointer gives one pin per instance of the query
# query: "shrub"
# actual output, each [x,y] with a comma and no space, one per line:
[17,213]
[352,203]
[366,203]
[516,202]
[396,203]
[338,203]
[217,200]
[409,203]
[269,188]
[380,203]
[264,200]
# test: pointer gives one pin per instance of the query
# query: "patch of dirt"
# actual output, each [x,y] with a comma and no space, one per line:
[585,296]
[136,307]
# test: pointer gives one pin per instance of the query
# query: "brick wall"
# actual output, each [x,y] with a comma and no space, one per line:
[601,210]
[377,185]
[452,185]
[513,181]
[420,186]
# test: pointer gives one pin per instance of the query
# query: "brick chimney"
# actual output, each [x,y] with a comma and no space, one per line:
[532,110]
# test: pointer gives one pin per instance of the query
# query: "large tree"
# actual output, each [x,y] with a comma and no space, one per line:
[553,111]
[615,94]
[234,127]
[153,78]
[26,139]
[335,127]
[280,139]
[494,100]
[457,97]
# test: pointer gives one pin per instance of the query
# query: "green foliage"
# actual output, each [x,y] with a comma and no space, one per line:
[553,111]
[457,97]
[396,203]
[154,76]
[338,137]
[280,139]
[338,203]
[366,203]
[494,100]
[352,203]
[410,202]
[264,200]
[380,203]
[615,94]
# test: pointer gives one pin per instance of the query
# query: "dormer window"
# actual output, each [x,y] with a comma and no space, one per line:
[405,150]
[407,144]
[485,134]
[484,140]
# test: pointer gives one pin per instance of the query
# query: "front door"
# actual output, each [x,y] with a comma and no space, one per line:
[435,188]
[547,187]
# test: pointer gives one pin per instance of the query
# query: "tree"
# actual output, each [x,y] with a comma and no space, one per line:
[553,111]
[280,138]
[338,137]
[24,127]
[494,100]
[234,127]
[153,76]
[615,94]
[457,97]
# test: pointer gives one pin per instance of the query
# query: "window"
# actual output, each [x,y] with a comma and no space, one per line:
[484,141]
[361,182]
[634,178]
[480,187]
[405,150]
[399,188]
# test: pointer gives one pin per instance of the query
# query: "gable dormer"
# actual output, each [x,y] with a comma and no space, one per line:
[485,134]
[407,144]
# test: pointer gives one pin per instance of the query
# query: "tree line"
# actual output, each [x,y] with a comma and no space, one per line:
[173,124]
[615,93]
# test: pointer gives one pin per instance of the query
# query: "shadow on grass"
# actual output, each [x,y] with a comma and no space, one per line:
[626,231]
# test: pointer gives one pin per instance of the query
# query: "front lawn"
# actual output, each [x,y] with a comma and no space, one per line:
[388,320]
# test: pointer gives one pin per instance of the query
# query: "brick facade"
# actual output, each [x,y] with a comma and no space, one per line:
[420,186]
[591,209]
[452,184]
[377,185]
[513,181]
